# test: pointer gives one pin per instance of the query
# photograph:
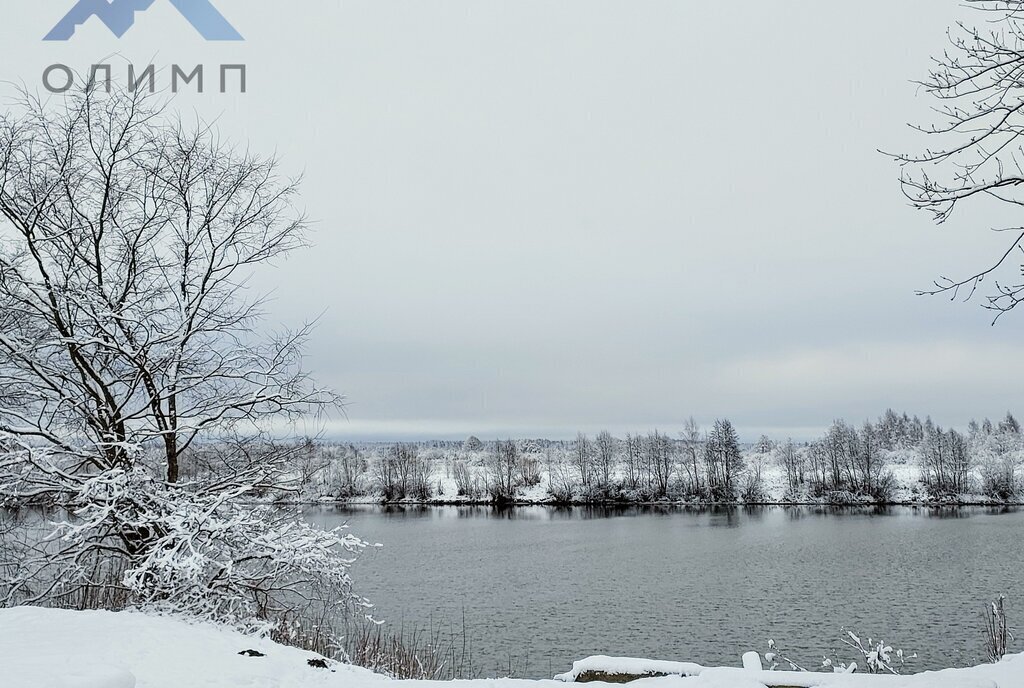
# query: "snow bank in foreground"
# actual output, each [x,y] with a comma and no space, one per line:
[51,648]
[1007,674]
[47,648]
[631,666]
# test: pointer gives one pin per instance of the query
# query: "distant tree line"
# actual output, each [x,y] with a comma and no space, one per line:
[709,465]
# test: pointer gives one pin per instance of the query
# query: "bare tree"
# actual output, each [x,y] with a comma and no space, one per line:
[606,452]
[946,461]
[402,473]
[792,463]
[310,464]
[466,484]
[691,438]
[349,468]
[659,457]
[502,471]
[583,459]
[633,461]
[128,347]
[561,484]
[529,468]
[124,316]
[978,83]
[723,460]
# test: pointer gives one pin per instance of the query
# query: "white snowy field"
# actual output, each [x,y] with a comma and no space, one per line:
[48,648]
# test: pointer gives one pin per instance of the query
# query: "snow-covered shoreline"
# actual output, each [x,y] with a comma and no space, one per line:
[896,461]
[51,648]
[909,490]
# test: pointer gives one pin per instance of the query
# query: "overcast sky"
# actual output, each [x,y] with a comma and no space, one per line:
[534,217]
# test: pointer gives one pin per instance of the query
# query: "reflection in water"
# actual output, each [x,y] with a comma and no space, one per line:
[675,582]
[729,516]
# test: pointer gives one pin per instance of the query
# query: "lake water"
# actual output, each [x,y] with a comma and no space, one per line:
[550,585]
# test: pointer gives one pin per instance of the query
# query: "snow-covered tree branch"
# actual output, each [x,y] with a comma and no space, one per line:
[978,86]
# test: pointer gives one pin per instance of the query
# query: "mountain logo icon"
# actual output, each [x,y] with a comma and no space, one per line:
[119,16]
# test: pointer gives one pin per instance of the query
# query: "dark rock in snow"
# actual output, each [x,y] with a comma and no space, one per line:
[318,663]
[252,653]
[606,677]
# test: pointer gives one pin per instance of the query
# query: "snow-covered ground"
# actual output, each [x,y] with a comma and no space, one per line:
[47,648]
[52,648]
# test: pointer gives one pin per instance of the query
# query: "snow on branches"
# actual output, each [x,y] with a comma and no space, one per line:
[207,555]
[141,399]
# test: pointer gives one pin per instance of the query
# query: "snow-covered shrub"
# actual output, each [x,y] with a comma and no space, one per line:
[503,466]
[884,487]
[197,552]
[401,473]
[945,462]
[776,657]
[847,465]
[606,453]
[999,475]
[999,454]
[466,483]
[877,657]
[752,485]
[561,485]
[348,473]
[997,633]
[529,470]
[752,488]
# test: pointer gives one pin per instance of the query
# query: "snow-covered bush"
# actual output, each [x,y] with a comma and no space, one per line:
[876,657]
[752,485]
[998,451]
[847,465]
[752,489]
[946,463]
[529,469]
[1000,477]
[205,553]
[348,473]
[776,657]
[466,483]
[503,467]
[561,485]
[401,473]
[998,635]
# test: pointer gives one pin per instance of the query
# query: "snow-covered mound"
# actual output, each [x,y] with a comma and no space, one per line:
[52,648]
[47,648]
[1007,674]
